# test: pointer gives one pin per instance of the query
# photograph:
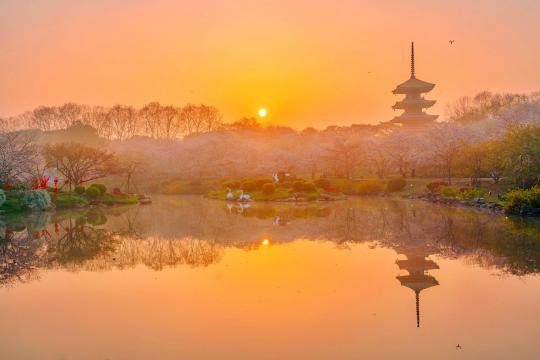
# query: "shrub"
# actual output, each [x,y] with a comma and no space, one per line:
[304,186]
[518,200]
[322,183]
[309,187]
[102,188]
[259,183]
[37,199]
[396,184]
[248,185]
[369,187]
[298,186]
[448,191]
[435,185]
[268,188]
[92,192]
[232,184]
[64,200]
[2,197]
[79,189]
[470,194]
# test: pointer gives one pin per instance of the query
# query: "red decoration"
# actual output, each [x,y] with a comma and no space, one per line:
[44,182]
[8,186]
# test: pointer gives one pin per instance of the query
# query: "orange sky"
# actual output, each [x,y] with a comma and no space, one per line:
[306,61]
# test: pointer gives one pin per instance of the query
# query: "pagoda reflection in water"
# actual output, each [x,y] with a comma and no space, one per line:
[417,265]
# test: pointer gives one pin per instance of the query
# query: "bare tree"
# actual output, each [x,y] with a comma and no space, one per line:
[79,163]
[44,118]
[18,158]
[446,142]
[68,114]
[150,115]
[123,120]
[200,118]
[170,122]
[97,117]
[344,157]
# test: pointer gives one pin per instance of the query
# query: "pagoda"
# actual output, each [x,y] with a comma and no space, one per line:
[417,265]
[413,104]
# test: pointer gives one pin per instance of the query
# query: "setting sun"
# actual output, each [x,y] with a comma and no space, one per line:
[263,112]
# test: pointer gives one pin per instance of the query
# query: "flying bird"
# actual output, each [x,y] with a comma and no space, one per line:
[452,42]
[458,346]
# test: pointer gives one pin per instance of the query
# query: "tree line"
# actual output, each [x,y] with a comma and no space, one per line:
[122,122]
[503,144]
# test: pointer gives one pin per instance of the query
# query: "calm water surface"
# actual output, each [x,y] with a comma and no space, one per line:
[187,278]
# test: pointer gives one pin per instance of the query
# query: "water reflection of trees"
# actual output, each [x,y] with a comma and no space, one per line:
[194,232]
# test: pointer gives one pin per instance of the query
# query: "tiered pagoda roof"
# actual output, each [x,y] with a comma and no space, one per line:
[413,103]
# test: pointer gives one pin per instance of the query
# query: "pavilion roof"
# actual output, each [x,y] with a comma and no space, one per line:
[414,118]
[417,282]
[417,264]
[408,102]
[413,85]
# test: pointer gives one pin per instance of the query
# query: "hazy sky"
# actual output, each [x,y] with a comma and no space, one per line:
[308,62]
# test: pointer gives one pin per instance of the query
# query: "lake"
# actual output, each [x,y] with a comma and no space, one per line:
[189,278]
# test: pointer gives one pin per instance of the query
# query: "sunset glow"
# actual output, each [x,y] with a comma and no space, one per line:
[313,63]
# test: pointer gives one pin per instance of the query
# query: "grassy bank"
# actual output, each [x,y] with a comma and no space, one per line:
[65,200]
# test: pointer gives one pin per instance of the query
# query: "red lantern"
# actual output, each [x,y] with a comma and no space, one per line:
[43,183]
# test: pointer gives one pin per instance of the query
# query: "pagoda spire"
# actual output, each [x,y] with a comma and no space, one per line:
[412,59]
[414,103]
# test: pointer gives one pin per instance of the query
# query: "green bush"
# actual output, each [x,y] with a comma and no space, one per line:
[435,185]
[37,199]
[102,188]
[268,188]
[2,197]
[64,200]
[448,191]
[110,199]
[322,183]
[79,190]
[518,200]
[92,192]
[396,184]
[248,185]
[369,187]
[470,194]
